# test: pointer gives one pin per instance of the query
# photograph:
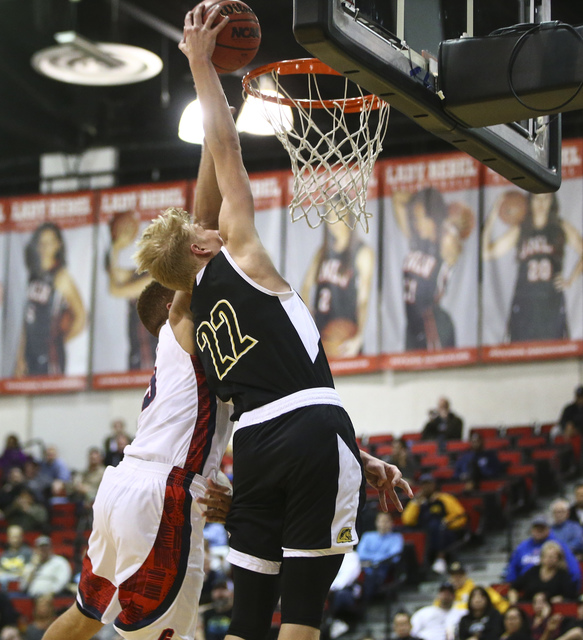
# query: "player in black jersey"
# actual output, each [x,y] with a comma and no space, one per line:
[434,248]
[54,311]
[297,469]
[337,288]
[537,311]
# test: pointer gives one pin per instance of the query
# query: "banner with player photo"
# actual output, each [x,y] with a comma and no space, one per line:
[429,304]
[123,350]
[532,254]
[3,270]
[335,270]
[48,293]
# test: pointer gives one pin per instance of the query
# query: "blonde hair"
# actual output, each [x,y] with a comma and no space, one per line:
[164,250]
[552,545]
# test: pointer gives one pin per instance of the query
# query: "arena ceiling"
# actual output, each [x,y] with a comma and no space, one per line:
[39,115]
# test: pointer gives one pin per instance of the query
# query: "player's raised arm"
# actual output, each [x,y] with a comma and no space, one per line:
[236,220]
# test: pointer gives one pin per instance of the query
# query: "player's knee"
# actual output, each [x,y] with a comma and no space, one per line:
[304,588]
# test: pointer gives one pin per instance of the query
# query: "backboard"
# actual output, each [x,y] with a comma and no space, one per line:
[390,48]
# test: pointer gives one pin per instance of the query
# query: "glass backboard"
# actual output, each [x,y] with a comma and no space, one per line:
[390,48]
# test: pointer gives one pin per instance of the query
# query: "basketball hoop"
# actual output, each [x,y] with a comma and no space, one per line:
[331,165]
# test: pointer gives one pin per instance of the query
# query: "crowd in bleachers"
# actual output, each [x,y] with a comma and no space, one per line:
[462,488]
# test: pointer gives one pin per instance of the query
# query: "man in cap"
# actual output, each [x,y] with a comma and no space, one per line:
[46,573]
[463,585]
[438,621]
[527,553]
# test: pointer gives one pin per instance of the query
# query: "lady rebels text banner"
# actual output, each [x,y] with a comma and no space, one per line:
[532,253]
[48,293]
[335,270]
[429,304]
[123,350]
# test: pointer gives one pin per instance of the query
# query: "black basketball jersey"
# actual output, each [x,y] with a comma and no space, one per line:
[256,346]
[540,260]
[336,287]
[424,279]
[44,346]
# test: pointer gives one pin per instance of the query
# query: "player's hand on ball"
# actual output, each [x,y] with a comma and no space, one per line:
[217,501]
[198,40]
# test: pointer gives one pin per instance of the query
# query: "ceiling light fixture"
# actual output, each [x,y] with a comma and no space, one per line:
[76,60]
[190,127]
[256,115]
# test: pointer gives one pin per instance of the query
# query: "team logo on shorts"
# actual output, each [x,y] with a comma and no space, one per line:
[345,535]
[167,634]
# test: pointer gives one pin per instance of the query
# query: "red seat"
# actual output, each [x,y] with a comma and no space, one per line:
[532,442]
[527,608]
[453,487]
[486,432]
[64,509]
[431,461]
[501,587]
[419,540]
[423,448]
[520,432]
[574,442]
[511,457]
[494,444]
[525,471]
[384,450]
[565,608]
[62,603]
[544,454]
[64,522]
[413,436]
[547,427]
[443,473]
[65,550]
[457,446]
[474,508]
[24,606]
[63,537]
[380,438]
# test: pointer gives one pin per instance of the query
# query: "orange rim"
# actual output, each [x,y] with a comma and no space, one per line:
[306,66]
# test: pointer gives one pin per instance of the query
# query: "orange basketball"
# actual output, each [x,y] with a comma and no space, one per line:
[462,217]
[239,41]
[513,207]
[335,333]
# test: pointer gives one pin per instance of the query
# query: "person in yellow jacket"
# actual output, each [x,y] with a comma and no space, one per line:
[441,515]
[463,586]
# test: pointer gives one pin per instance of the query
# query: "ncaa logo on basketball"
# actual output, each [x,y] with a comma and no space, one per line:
[345,535]
[245,32]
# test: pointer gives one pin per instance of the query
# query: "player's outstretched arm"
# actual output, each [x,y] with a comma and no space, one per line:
[180,317]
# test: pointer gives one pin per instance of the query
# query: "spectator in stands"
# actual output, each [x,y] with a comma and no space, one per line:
[441,515]
[86,483]
[568,532]
[402,626]
[34,482]
[43,616]
[13,485]
[15,557]
[113,458]
[8,615]
[477,464]
[218,617]
[110,444]
[443,424]
[13,455]
[464,585]
[216,534]
[527,553]
[53,468]
[26,512]
[379,551]
[438,622]
[516,625]
[46,573]
[344,603]
[576,508]
[482,621]
[572,417]
[550,577]
[404,459]
[547,625]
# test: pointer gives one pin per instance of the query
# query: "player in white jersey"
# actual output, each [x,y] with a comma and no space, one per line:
[144,566]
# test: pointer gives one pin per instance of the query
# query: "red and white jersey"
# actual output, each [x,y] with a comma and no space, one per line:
[182,423]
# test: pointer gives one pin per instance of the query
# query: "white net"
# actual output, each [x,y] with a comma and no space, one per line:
[332,161]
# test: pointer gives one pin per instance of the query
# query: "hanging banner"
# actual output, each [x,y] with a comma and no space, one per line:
[123,350]
[335,270]
[532,253]
[429,305]
[48,293]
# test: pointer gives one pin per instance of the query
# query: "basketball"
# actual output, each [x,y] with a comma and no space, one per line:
[462,217]
[335,333]
[239,41]
[513,208]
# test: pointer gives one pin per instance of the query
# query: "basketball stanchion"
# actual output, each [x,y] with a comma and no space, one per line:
[331,163]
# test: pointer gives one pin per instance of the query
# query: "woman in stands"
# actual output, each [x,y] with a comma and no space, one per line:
[550,577]
[516,625]
[483,621]
[547,625]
